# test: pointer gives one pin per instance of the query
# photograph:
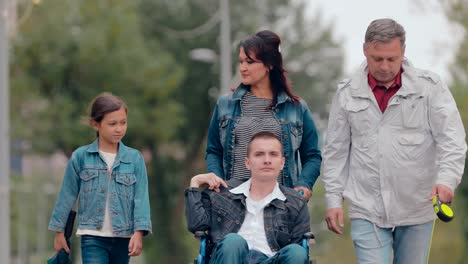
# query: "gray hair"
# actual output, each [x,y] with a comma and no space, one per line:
[385,30]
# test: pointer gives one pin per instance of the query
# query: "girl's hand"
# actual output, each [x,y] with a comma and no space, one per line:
[60,242]
[136,244]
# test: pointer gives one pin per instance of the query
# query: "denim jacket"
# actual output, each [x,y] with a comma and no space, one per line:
[222,213]
[298,135]
[86,176]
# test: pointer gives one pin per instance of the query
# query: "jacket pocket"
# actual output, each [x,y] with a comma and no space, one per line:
[222,221]
[89,180]
[222,126]
[296,130]
[125,183]
[89,186]
[410,146]
[282,235]
[411,139]
[413,112]
[358,116]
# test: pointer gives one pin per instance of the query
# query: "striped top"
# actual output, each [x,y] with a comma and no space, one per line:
[256,116]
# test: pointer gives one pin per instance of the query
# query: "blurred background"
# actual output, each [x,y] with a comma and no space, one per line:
[170,60]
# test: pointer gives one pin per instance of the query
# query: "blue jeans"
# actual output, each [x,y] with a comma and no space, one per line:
[233,249]
[373,244]
[104,250]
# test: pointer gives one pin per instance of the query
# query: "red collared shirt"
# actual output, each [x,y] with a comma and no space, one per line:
[381,93]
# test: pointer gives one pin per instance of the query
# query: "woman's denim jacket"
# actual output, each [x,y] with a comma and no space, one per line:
[298,135]
[86,175]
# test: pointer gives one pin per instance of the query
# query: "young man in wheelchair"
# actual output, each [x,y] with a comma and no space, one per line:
[257,221]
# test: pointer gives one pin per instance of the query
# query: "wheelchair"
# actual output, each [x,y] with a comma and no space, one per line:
[206,246]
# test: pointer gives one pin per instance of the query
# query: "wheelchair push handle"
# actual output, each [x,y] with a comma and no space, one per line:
[201,234]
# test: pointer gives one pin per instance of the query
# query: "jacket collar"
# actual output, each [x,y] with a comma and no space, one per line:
[409,85]
[233,183]
[244,189]
[122,152]
[242,89]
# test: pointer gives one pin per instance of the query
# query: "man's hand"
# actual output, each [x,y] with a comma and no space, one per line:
[334,215]
[60,242]
[307,193]
[445,193]
[209,180]
[136,244]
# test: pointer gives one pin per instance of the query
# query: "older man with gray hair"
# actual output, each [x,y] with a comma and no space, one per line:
[395,139]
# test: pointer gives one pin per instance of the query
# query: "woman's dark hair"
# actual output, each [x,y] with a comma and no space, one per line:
[102,104]
[265,46]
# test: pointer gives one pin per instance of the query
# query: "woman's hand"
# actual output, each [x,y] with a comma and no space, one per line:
[60,242]
[135,246]
[306,192]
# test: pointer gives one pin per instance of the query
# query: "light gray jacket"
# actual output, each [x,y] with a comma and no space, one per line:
[385,164]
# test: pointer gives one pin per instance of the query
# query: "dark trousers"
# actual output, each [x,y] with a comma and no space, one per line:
[104,250]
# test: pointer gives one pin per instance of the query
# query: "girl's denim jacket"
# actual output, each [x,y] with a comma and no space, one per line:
[86,176]
[298,135]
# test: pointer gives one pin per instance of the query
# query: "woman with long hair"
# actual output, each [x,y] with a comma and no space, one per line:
[264,101]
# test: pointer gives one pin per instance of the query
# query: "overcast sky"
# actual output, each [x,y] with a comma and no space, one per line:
[431,40]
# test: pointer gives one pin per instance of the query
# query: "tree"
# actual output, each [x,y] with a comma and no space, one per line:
[457,11]
[68,53]
[314,59]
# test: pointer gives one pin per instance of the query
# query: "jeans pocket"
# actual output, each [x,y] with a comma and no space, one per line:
[367,235]
[372,244]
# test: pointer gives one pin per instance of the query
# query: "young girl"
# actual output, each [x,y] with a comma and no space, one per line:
[111,182]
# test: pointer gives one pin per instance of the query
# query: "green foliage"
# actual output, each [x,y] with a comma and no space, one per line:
[67,53]
[457,11]
[29,210]
[312,57]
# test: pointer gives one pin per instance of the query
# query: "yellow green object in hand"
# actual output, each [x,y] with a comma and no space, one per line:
[442,210]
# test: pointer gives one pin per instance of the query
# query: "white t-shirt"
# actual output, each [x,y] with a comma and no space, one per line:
[106,230]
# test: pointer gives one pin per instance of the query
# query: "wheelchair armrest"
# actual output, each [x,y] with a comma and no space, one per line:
[200,234]
[310,237]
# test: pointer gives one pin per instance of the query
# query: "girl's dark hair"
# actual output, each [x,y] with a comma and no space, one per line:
[265,46]
[102,104]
